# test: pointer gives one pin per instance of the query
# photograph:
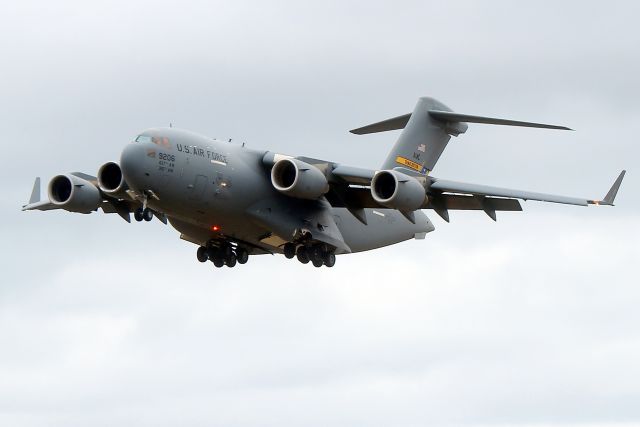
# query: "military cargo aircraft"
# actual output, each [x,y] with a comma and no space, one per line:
[233,202]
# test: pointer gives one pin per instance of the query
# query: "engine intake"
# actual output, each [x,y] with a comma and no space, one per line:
[74,194]
[396,190]
[296,178]
[111,181]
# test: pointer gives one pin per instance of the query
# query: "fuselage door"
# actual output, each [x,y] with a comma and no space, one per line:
[198,187]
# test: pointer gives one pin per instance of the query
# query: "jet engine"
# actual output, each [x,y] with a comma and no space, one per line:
[296,178]
[111,181]
[74,194]
[396,190]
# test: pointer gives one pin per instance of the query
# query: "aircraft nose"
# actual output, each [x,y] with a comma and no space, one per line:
[132,162]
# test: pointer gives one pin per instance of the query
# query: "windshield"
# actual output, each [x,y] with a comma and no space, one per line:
[143,138]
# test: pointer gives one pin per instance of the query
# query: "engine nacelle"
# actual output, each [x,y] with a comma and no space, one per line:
[396,190]
[111,181]
[74,194]
[298,179]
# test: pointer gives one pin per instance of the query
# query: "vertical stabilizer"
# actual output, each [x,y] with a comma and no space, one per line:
[423,138]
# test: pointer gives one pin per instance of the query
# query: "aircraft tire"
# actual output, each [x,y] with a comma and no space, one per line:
[137,214]
[202,254]
[147,214]
[218,262]
[303,255]
[289,250]
[242,255]
[231,261]
[329,260]
[315,256]
[212,253]
[226,251]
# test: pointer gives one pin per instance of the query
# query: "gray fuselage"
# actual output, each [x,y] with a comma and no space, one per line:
[210,189]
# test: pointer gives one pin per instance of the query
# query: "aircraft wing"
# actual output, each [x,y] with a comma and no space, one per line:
[444,195]
[446,186]
[109,204]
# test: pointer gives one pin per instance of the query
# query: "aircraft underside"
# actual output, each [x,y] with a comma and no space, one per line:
[235,245]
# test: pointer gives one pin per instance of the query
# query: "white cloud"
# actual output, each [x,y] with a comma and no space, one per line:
[480,324]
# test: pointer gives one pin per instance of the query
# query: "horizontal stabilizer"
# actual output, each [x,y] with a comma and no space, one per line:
[390,124]
[449,116]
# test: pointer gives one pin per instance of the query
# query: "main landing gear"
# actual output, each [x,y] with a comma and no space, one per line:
[224,254]
[317,254]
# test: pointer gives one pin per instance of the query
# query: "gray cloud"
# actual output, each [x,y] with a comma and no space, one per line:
[532,320]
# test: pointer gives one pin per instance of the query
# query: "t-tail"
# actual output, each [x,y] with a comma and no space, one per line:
[427,131]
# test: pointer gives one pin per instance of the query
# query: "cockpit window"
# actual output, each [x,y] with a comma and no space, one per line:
[143,138]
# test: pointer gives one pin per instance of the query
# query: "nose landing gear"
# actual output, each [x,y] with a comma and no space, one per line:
[145,214]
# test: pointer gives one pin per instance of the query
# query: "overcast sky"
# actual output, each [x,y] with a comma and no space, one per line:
[532,320]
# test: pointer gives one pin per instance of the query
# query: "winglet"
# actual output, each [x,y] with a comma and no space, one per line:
[35,193]
[34,201]
[611,195]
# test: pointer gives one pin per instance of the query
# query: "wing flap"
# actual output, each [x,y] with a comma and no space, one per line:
[470,203]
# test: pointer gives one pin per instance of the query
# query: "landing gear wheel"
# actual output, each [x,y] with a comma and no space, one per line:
[231,261]
[329,260]
[289,250]
[226,251]
[315,256]
[137,214]
[202,254]
[242,255]
[212,253]
[317,262]
[147,214]
[303,255]
[218,261]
